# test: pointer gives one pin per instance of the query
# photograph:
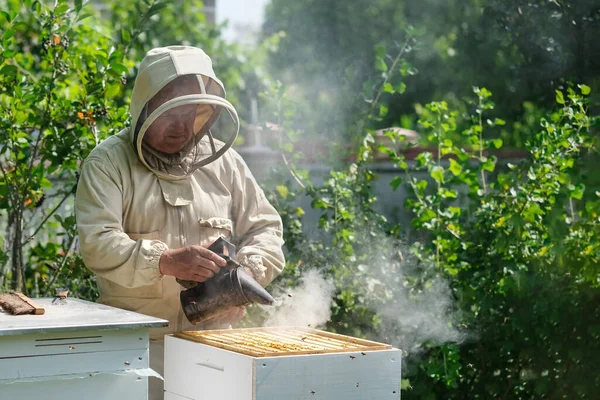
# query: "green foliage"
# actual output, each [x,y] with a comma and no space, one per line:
[521,50]
[518,245]
[65,79]
[57,102]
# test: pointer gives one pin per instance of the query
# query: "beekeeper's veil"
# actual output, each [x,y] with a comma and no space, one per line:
[216,124]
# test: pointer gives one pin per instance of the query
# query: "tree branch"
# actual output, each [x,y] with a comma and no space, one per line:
[43,127]
[387,78]
[62,264]
[51,213]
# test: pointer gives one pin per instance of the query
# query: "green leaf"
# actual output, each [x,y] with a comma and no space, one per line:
[125,36]
[388,88]
[437,173]
[448,194]
[8,34]
[489,164]
[5,15]
[8,70]
[36,7]
[78,4]
[455,210]
[401,87]
[585,90]
[61,9]
[112,90]
[455,167]
[155,9]
[120,68]
[560,99]
[380,64]
[497,143]
[319,203]
[380,50]
[283,191]
[45,183]
[383,110]
[83,16]
[395,182]
[576,192]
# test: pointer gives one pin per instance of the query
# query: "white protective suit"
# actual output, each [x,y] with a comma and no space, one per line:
[132,202]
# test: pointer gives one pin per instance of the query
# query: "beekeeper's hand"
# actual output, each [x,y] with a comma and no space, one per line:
[190,263]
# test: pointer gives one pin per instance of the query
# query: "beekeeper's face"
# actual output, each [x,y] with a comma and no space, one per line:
[174,128]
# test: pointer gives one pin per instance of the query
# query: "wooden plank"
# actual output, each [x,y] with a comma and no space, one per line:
[358,341]
[284,330]
[37,310]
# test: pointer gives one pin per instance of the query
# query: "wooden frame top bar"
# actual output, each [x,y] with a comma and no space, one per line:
[281,341]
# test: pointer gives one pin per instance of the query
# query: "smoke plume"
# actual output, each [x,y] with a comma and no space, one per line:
[308,304]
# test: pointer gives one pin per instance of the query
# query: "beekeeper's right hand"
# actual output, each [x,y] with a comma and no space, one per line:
[191,263]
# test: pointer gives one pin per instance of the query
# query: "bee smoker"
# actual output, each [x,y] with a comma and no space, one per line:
[230,287]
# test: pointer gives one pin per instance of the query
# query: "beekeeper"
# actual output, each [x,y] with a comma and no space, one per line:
[153,197]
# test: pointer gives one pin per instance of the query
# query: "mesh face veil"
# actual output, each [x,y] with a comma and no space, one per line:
[196,115]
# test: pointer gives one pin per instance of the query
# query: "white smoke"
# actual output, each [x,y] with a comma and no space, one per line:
[413,299]
[308,304]
[414,317]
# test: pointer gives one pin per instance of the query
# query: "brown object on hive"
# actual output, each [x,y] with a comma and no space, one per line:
[18,304]
[281,341]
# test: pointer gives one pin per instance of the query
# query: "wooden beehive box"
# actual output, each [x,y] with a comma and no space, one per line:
[279,364]
[76,350]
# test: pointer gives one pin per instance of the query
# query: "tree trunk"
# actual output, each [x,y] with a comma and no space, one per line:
[17,251]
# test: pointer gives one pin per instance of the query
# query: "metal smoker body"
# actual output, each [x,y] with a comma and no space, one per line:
[230,287]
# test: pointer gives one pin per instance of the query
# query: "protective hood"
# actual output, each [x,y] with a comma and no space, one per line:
[213,114]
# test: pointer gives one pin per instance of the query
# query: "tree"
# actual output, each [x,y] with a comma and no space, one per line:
[66,74]
[521,50]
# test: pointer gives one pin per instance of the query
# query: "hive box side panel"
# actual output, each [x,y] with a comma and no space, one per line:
[197,371]
[66,364]
[72,342]
[343,376]
[128,386]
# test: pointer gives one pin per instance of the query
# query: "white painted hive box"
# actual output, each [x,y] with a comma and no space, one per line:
[76,350]
[279,364]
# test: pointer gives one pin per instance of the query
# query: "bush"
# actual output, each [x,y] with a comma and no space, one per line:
[514,251]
